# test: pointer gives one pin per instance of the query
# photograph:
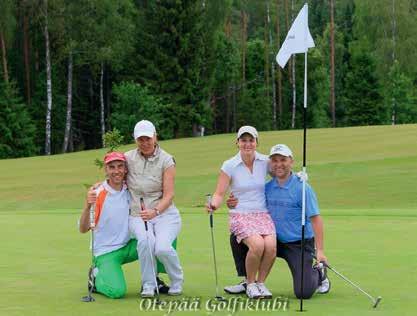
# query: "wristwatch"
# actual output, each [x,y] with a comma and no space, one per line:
[157,211]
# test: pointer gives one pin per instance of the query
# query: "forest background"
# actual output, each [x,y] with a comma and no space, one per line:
[73,70]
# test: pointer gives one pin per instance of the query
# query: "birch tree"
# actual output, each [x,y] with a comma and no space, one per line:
[279,73]
[69,103]
[48,84]
[273,65]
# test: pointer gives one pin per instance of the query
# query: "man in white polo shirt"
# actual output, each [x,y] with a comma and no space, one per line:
[113,246]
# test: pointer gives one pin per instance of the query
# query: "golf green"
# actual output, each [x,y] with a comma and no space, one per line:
[365,180]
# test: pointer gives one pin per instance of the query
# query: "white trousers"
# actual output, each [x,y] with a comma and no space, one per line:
[162,231]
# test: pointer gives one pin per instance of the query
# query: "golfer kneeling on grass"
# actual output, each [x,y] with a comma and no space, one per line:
[151,178]
[284,202]
[112,244]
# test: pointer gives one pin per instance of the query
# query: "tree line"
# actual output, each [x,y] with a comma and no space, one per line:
[73,70]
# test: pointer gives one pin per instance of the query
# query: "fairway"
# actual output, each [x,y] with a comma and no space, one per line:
[365,179]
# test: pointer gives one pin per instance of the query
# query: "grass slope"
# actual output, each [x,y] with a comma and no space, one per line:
[365,179]
[350,168]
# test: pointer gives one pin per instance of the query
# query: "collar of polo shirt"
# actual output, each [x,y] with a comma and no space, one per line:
[287,183]
[155,153]
[238,158]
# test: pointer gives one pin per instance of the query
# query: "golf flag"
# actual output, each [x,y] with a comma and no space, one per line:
[298,39]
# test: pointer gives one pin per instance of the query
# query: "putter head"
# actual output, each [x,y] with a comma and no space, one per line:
[378,299]
[88,299]
[220,298]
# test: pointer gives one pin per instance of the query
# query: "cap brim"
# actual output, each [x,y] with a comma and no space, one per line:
[251,134]
[279,153]
[147,134]
[114,159]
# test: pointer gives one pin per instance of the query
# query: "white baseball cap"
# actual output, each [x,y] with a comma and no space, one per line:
[247,129]
[282,150]
[144,128]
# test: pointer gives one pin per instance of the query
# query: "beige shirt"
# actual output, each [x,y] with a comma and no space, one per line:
[145,177]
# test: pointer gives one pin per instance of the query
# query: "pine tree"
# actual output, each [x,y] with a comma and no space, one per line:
[17,130]
[363,98]
[176,57]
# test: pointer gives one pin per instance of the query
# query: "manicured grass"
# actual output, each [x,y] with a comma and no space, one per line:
[44,271]
[365,179]
[363,167]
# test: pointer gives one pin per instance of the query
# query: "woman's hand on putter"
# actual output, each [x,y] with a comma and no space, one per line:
[210,207]
[147,214]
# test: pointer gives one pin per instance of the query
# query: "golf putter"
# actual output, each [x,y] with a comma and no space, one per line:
[158,301]
[375,301]
[217,297]
[89,297]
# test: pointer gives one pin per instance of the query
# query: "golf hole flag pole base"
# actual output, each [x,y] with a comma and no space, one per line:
[298,41]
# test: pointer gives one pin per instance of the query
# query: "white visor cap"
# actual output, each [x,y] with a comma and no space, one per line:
[282,150]
[144,128]
[247,130]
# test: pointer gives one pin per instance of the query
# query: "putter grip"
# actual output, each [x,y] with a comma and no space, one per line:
[142,207]
[92,215]
[211,212]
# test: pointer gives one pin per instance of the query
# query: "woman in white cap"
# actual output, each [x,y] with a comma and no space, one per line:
[249,221]
[151,178]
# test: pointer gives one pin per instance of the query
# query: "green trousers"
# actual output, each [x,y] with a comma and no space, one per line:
[110,280]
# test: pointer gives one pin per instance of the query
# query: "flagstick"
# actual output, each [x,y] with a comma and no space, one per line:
[303,212]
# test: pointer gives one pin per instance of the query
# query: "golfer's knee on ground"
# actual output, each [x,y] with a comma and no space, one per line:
[115,291]
[118,293]
[308,291]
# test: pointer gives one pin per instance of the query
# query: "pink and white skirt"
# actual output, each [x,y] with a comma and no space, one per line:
[243,225]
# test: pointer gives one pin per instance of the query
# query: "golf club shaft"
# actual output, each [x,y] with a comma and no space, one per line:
[214,257]
[351,283]
[213,244]
[92,226]
[142,206]
[89,297]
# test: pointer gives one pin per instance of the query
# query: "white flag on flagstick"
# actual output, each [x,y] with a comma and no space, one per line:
[298,39]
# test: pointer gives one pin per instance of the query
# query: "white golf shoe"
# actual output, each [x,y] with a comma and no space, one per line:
[148,291]
[175,288]
[324,284]
[252,291]
[236,289]
[264,290]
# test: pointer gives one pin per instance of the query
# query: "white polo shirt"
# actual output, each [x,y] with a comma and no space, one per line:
[111,218]
[247,187]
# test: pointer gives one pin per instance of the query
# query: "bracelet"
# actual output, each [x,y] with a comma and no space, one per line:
[157,211]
